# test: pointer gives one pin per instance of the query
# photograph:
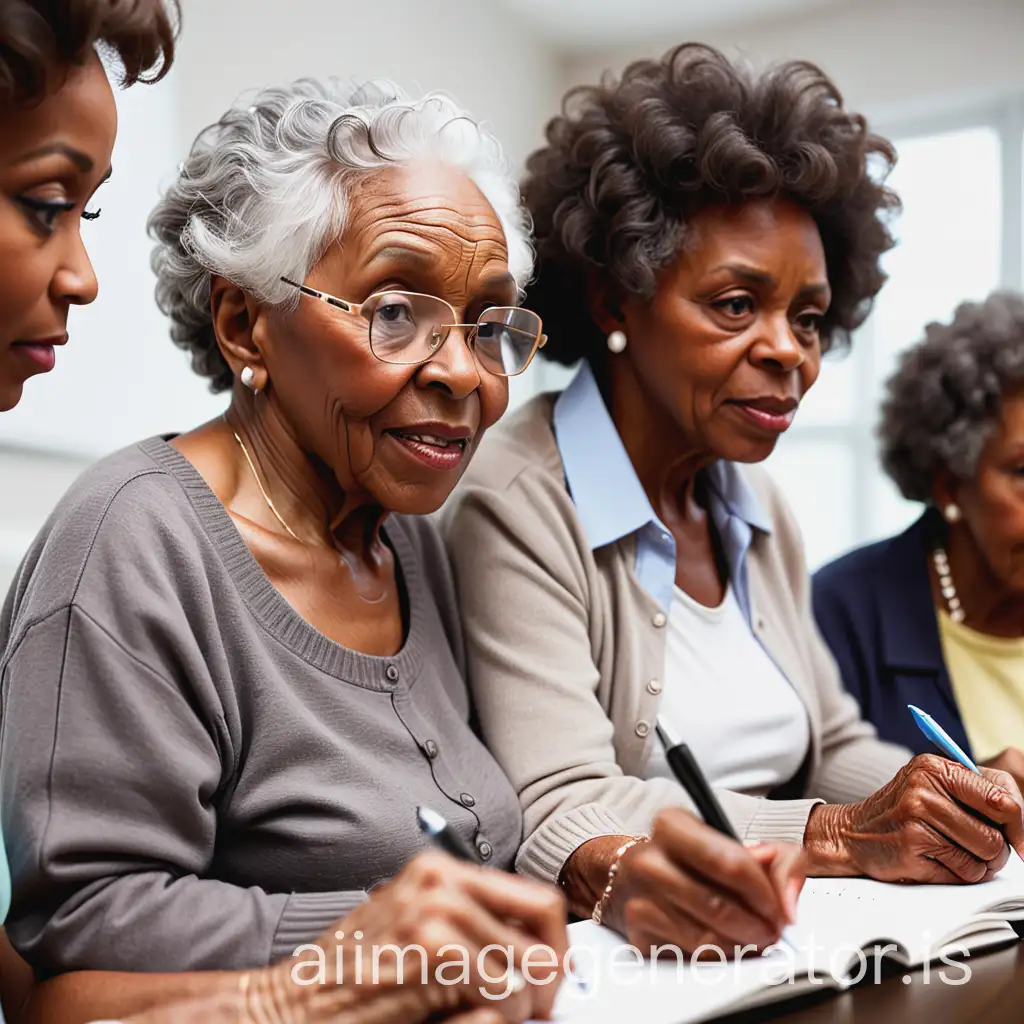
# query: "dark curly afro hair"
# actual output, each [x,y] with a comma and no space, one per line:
[37,36]
[945,399]
[630,160]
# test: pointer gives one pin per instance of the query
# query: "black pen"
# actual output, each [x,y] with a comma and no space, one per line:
[685,768]
[443,836]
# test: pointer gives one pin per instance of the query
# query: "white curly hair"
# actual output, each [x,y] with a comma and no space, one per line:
[263,193]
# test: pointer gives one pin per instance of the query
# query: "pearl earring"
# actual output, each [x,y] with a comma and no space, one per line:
[952,513]
[617,342]
[248,378]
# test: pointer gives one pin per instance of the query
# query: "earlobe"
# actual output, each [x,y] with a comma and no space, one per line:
[234,322]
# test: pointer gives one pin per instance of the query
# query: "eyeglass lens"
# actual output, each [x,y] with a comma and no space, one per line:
[409,328]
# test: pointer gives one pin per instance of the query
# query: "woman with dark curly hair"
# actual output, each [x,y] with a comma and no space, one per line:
[704,234]
[104,792]
[935,616]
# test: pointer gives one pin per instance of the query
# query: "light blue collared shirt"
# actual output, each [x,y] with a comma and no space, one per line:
[611,502]
[5,889]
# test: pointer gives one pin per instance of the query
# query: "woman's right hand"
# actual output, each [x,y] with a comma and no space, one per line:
[935,821]
[455,912]
[691,886]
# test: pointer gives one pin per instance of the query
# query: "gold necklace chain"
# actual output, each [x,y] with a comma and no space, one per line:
[259,484]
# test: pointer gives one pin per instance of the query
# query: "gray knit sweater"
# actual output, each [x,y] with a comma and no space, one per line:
[193,777]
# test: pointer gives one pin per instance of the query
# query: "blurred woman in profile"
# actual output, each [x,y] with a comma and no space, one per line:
[935,616]
[57,132]
[704,233]
[57,127]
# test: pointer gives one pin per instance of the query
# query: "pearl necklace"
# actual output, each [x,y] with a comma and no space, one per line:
[956,613]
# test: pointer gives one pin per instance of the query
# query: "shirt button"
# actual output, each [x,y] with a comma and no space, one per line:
[659,619]
[484,849]
[392,673]
[467,800]
[654,686]
[642,729]
[432,749]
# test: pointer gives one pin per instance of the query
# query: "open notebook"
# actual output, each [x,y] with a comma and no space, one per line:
[843,927]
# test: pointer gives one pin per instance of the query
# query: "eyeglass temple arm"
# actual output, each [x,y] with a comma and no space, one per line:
[348,307]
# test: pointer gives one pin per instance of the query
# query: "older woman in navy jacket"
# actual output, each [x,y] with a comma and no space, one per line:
[935,616]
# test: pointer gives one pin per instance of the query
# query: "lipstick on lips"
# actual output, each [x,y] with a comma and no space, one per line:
[41,350]
[438,445]
[770,414]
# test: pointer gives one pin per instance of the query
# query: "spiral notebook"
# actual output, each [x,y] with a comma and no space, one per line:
[845,928]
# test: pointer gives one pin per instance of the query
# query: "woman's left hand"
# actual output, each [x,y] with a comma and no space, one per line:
[920,827]
[1011,761]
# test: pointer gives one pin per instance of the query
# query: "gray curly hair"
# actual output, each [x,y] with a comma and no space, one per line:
[944,400]
[263,193]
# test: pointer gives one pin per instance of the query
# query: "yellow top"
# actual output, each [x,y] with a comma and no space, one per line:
[987,673]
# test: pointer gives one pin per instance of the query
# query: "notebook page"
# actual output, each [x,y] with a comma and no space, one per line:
[615,988]
[851,913]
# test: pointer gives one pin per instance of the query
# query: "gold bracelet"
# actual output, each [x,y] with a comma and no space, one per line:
[602,904]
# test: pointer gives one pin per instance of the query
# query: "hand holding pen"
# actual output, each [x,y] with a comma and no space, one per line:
[939,820]
[512,913]
[691,885]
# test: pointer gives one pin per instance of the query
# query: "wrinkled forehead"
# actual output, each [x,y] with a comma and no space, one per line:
[430,224]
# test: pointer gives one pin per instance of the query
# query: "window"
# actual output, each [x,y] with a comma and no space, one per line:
[961,234]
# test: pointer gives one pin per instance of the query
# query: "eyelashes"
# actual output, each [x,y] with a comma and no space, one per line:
[43,213]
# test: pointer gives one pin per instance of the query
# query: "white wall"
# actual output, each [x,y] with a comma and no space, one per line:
[893,59]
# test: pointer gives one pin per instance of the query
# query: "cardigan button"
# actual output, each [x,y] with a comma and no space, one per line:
[392,673]
[484,848]
[642,729]
[659,619]
[468,800]
[431,749]
[654,686]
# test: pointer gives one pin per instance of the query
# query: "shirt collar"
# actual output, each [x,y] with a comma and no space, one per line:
[609,498]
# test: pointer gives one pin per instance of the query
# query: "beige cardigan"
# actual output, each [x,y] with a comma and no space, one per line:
[566,649]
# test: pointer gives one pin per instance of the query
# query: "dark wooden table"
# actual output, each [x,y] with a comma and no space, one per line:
[993,995]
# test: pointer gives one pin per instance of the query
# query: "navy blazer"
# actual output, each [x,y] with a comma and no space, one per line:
[874,607]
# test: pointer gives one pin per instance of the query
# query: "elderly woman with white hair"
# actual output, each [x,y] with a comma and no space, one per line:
[233,665]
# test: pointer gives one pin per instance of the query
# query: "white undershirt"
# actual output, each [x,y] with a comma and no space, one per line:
[725,697]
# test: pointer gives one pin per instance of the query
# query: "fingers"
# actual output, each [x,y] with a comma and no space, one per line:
[993,794]
[722,862]
[539,914]
[474,927]
[649,925]
[687,897]
[541,909]
[1013,825]
[485,1015]
[981,843]
[787,867]
[951,864]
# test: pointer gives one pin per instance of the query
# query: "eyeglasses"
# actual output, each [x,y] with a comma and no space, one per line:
[409,328]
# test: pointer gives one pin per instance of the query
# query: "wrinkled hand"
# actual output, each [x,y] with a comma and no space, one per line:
[1011,761]
[690,886]
[936,821]
[456,913]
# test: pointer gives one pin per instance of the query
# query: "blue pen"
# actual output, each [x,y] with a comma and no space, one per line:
[941,738]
